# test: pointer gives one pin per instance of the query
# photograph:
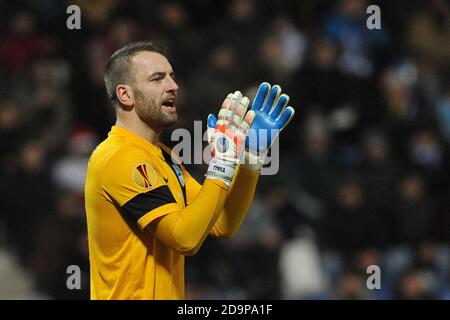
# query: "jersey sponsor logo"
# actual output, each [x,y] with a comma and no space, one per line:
[144,176]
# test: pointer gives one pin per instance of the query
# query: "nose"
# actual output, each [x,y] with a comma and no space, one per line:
[172,86]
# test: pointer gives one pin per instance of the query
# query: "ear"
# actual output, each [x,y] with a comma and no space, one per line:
[125,96]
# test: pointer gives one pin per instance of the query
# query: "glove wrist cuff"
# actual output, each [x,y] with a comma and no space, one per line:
[252,161]
[221,170]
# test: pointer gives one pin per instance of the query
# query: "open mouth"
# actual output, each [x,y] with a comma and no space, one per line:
[169,105]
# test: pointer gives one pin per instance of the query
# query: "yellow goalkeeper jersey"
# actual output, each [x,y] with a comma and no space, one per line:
[131,182]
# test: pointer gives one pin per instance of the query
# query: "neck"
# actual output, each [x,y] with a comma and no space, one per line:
[141,129]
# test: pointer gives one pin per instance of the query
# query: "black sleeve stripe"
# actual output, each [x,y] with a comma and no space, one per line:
[137,207]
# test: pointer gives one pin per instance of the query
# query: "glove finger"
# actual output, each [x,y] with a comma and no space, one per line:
[232,119]
[273,96]
[279,106]
[224,110]
[247,122]
[210,128]
[240,111]
[285,117]
[261,96]
[211,121]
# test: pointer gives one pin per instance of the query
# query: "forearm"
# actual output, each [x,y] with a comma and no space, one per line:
[185,230]
[237,203]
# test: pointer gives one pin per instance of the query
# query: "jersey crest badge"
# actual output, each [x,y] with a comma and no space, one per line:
[144,176]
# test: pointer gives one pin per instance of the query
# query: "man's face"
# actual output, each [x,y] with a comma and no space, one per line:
[155,90]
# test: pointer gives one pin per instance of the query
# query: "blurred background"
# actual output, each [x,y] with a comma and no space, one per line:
[365,167]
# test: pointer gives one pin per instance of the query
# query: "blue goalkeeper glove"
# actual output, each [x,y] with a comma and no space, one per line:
[271,117]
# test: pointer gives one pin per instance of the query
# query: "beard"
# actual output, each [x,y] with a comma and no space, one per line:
[152,114]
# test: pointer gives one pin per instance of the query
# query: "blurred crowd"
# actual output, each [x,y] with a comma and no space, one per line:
[364,167]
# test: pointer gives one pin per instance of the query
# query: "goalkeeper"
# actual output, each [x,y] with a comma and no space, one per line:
[144,211]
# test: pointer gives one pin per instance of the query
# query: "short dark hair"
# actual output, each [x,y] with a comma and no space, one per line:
[118,68]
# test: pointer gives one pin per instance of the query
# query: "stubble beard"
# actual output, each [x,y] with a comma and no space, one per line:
[152,115]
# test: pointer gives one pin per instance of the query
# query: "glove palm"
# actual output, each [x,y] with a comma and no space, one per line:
[227,136]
